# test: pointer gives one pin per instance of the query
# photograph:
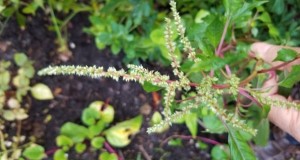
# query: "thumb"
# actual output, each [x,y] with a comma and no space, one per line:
[268,52]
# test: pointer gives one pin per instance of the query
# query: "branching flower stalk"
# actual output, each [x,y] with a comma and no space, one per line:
[208,91]
[181,31]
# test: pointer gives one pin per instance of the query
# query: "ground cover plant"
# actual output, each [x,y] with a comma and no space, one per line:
[213,87]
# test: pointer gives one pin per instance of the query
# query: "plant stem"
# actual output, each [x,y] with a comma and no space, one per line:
[111,150]
[219,53]
[204,139]
[57,29]
[276,67]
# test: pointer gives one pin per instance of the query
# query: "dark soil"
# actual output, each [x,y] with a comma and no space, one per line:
[73,94]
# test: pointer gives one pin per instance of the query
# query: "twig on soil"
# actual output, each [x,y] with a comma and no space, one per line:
[145,154]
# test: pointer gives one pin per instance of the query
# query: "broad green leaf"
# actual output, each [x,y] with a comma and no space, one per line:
[97,142]
[220,152]
[157,36]
[191,123]
[8,115]
[41,91]
[20,59]
[239,148]
[63,140]
[263,134]
[118,135]
[286,55]
[60,155]
[214,63]
[30,9]
[200,15]
[149,87]
[108,156]
[97,128]
[27,70]
[4,80]
[106,111]
[213,124]
[80,147]
[278,6]
[76,132]
[238,8]
[89,116]
[214,31]
[21,81]
[34,152]
[292,78]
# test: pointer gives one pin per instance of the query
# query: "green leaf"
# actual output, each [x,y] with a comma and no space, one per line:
[80,147]
[157,36]
[106,111]
[200,15]
[20,59]
[97,128]
[149,87]
[214,63]
[278,7]
[239,148]
[213,124]
[108,156]
[192,124]
[286,55]
[8,115]
[76,132]
[30,9]
[60,155]
[263,134]
[34,152]
[63,140]
[238,8]
[97,142]
[292,78]
[27,70]
[4,80]
[41,91]
[89,116]
[220,152]
[118,135]
[214,31]
[176,142]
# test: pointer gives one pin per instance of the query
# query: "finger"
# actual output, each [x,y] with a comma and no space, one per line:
[270,86]
[286,119]
[268,53]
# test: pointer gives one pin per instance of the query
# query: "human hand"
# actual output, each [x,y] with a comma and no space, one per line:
[286,119]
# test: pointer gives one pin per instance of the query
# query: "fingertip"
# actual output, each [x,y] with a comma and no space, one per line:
[264,51]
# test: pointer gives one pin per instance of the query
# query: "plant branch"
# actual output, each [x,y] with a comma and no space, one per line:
[219,50]
[186,137]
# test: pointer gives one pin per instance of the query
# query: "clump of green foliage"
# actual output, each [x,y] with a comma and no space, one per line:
[96,119]
[202,80]
[13,87]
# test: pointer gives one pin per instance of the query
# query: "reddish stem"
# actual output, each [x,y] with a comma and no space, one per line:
[276,67]
[204,139]
[219,53]
[111,150]
[51,151]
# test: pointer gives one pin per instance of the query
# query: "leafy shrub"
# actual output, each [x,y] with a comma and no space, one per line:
[203,71]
